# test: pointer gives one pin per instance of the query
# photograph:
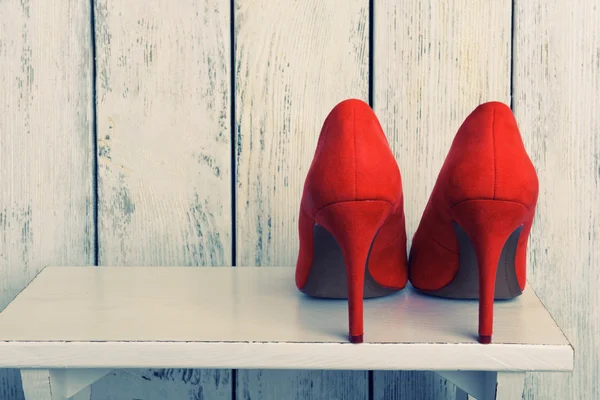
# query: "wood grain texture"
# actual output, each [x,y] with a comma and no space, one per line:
[556,86]
[292,385]
[164,155]
[409,385]
[434,62]
[163,92]
[294,62]
[164,384]
[46,198]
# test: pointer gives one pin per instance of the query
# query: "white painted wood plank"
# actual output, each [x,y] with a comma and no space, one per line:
[409,385]
[249,318]
[292,385]
[294,62]
[163,133]
[556,85]
[165,384]
[434,62]
[254,304]
[163,92]
[286,355]
[46,200]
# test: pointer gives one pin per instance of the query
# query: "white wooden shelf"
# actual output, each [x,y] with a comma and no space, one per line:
[71,325]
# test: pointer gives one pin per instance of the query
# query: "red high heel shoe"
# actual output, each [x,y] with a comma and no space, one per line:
[351,221]
[472,239]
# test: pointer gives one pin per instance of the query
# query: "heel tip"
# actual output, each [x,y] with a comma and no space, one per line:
[356,339]
[485,339]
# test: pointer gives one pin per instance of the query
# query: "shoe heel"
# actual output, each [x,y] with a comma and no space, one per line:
[488,223]
[354,225]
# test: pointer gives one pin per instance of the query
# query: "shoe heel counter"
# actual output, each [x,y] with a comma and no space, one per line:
[353,160]
[515,175]
[488,159]
[377,172]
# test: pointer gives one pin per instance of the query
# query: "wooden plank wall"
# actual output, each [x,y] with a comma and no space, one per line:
[46,145]
[434,62]
[163,132]
[556,99]
[289,74]
[204,117]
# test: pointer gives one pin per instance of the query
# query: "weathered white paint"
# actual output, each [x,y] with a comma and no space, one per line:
[439,62]
[46,200]
[165,384]
[143,317]
[73,384]
[290,73]
[293,384]
[410,385]
[556,102]
[433,63]
[294,61]
[163,92]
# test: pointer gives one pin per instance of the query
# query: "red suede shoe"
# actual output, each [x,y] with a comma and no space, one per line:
[472,239]
[351,222]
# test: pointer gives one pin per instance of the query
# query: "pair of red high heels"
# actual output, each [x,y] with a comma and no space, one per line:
[471,241]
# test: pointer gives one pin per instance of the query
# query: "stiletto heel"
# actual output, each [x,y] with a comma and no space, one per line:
[351,222]
[354,226]
[476,224]
[488,224]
